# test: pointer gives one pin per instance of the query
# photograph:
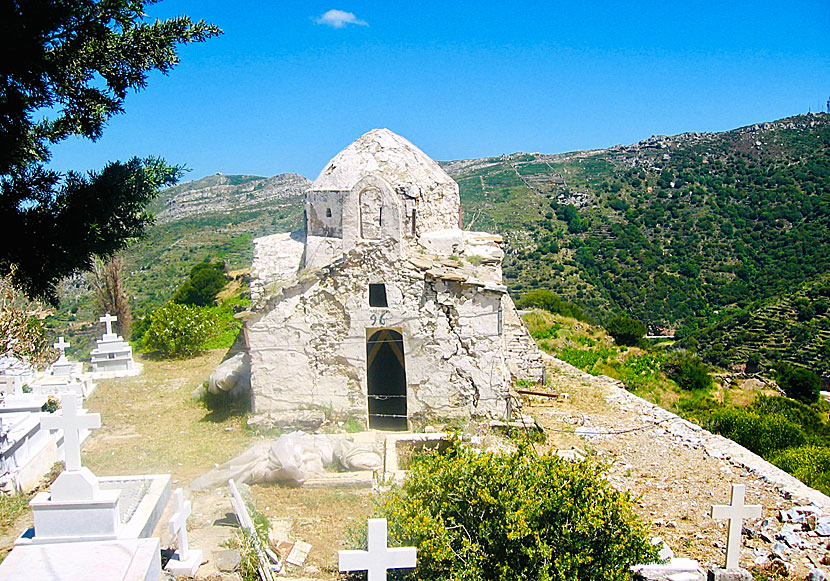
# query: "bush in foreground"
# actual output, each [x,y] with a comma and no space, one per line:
[512,516]
[178,330]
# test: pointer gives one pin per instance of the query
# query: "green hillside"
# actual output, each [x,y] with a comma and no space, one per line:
[670,229]
[793,327]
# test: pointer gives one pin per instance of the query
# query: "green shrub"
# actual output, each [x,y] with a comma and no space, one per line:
[764,435]
[799,413]
[798,383]
[512,516]
[625,330]
[546,300]
[205,282]
[179,330]
[810,464]
[226,325]
[688,371]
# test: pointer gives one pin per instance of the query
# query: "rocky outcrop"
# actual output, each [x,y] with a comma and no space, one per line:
[220,194]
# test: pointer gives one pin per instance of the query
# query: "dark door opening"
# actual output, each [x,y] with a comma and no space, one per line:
[386,371]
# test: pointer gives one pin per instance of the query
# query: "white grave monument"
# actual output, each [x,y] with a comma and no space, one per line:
[14,374]
[736,511]
[62,366]
[95,528]
[113,357]
[82,507]
[378,559]
[186,561]
[64,376]
[27,452]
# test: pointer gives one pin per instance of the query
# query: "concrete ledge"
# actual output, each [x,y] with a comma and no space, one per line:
[149,510]
[112,560]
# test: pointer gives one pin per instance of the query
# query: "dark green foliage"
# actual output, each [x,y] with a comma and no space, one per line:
[688,371]
[625,330]
[798,383]
[205,282]
[73,65]
[774,331]
[517,516]
[88,215]
[668,239]
[808,417]
[544,299]
[763,434]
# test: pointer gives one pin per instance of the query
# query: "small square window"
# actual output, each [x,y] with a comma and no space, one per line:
[377,295]
[328,212]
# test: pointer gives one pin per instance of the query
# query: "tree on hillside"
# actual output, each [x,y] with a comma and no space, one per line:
[798,383]
[544,299]
[68,69]
[688,371]
[205,282]
[625,330]
[107,280]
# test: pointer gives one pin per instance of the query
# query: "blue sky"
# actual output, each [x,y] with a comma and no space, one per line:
[284,89]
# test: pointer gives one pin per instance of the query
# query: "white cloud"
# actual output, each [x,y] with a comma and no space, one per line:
[339,19]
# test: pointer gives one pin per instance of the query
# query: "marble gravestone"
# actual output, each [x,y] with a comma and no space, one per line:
[378,558]
[64,376]
[90,527]
[62,366]
[14,374]
[113,356]
[185,561]
[735,512]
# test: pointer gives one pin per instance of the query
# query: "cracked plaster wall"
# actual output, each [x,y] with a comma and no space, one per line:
[309,348]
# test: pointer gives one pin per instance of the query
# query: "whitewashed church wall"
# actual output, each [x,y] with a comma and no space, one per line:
[310,350]
[276,260]
[324,214]
[320,252]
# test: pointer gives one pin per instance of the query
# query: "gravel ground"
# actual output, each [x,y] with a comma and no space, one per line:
[675,473]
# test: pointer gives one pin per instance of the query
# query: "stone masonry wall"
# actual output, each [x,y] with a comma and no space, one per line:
[308,347]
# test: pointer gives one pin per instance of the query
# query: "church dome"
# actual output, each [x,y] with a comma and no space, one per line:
[382,153]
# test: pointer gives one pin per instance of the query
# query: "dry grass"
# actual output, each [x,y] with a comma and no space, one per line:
[319,517]
[151,424]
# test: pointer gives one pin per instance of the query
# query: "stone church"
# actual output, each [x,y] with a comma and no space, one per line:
[383,308]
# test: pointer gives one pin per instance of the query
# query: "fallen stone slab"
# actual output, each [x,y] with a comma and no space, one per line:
[729,575]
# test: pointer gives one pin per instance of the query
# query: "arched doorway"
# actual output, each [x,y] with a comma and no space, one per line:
[386,374]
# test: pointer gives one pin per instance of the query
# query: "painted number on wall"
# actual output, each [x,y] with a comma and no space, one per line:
[378,319]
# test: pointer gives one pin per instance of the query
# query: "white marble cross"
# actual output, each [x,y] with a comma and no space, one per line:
[108,321]
[178,523]
[71,422]
[736,511]
[378,559]
[61,345]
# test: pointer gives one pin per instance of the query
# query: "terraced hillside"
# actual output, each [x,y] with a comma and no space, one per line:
[792,327]
[671,229]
